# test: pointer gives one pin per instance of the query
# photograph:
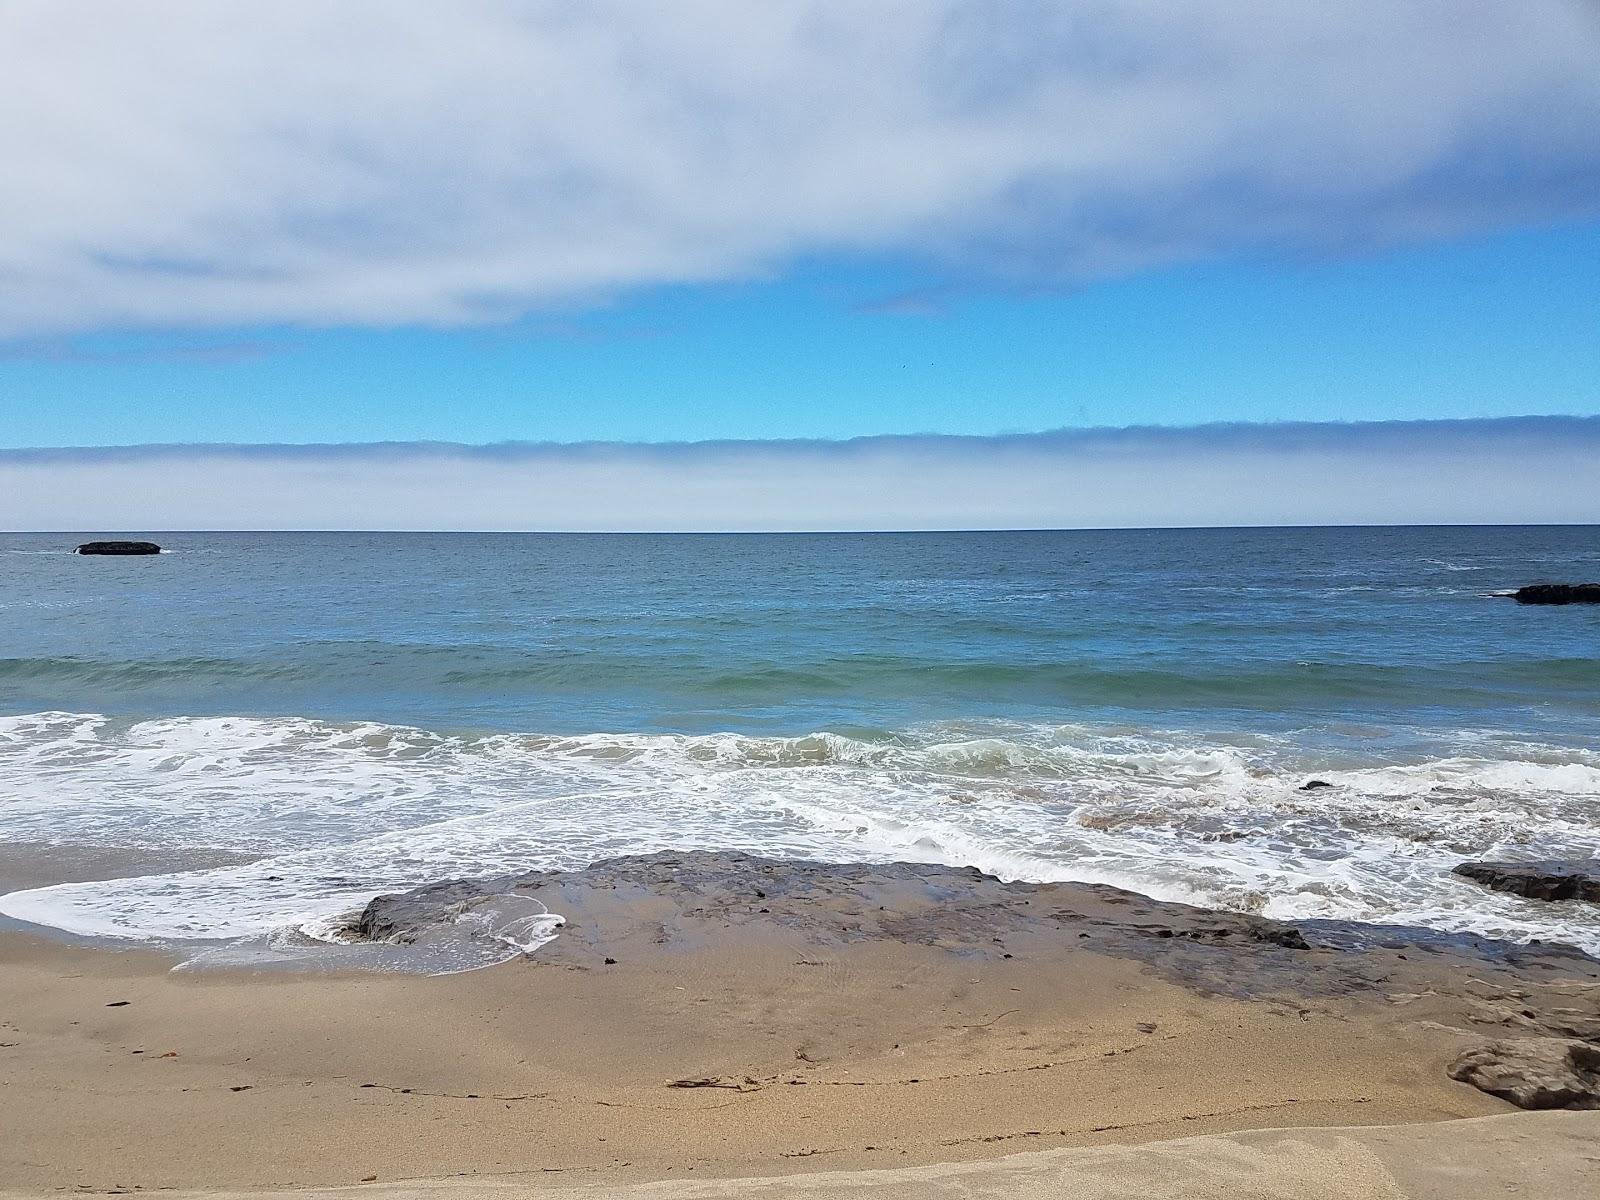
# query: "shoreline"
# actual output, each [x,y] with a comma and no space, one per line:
[684,1026]
[1224,819]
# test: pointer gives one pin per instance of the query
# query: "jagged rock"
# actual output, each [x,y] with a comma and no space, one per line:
[118,548]
[1547,879]
[1534,1072]
[1558,593]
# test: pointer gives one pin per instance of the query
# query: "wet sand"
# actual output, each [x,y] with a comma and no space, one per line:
[858,1023]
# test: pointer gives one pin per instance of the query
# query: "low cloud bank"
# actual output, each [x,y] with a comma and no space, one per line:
[1517,470]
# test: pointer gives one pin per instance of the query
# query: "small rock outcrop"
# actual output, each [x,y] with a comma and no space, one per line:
[1558,593]
[1538,1072]
[118,548]
[1549,879]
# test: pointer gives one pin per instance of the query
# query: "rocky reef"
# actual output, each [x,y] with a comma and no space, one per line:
[1528,1015]
[1545,879]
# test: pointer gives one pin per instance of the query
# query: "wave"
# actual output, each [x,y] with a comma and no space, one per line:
[328,814]
[1233,684]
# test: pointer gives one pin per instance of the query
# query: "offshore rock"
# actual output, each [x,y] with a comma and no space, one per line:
[118,548]
[1558,593]
[1550,879]
[1534,1072]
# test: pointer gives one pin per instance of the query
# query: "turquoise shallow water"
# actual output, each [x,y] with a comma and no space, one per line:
[365,711]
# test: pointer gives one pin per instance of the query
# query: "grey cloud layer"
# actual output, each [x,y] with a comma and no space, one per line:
[186,163]
[1518,470]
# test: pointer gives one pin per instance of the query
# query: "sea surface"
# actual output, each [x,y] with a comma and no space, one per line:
[271,728]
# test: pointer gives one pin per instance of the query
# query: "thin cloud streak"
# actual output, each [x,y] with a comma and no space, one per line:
[1528,470]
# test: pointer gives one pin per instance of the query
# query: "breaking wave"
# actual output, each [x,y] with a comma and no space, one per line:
[311,818]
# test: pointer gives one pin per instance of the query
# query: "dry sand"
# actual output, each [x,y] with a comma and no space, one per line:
[1550,1156]
[813,1054]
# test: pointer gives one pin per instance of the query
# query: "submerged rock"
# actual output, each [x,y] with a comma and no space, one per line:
[1549,879]
[118,548]
[1538,1072]
[1558,593]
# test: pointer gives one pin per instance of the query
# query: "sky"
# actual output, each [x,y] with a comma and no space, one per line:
[716,222]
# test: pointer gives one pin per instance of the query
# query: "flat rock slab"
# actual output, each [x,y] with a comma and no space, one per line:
[1547,879]
[621,908]
[639,908]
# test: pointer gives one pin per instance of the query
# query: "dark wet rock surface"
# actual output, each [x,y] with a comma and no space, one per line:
[1558,593]
[692,893]
[1548,879]
[687,897]
[118,548]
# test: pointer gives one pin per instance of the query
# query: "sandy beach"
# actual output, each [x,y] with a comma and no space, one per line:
[702,1030]
[1545,1155]
[800,601]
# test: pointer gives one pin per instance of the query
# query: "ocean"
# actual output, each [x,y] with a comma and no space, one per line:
[272,728]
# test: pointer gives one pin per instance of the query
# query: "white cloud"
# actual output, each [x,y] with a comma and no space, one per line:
[172,163]
[1509,471]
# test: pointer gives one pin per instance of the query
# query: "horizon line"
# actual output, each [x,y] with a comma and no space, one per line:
[706,533]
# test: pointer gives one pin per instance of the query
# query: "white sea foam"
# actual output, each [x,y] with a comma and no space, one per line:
[336,813]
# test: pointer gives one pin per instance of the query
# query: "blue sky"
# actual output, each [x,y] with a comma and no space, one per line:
[1500,325]
[529,221]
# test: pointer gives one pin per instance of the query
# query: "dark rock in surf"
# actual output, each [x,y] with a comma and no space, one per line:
[1537,1072]
[1315,785]
[960,909]
[1558,593]
[1551,879]
[118,548]
[631,908]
